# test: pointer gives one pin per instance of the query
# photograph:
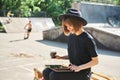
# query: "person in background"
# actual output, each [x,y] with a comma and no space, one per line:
[28,27]
[9,15]
[82,52]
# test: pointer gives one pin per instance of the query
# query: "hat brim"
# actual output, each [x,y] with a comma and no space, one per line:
[81,19]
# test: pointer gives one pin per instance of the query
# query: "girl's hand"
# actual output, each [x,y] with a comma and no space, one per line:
[57,57]
[74,68]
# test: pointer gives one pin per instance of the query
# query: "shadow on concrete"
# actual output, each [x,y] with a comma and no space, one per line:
[53,43]
[108,52]
[17,40]
[64,46]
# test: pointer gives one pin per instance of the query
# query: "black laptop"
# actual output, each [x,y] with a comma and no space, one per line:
[59,68]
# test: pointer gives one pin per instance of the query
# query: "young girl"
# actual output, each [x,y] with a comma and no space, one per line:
[81,49]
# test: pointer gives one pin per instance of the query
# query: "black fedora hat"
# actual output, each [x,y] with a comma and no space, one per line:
[74,13]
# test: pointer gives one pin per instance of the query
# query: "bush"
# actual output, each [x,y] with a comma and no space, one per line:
[1,27]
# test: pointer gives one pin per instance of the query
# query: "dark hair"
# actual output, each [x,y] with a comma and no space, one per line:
[76,22]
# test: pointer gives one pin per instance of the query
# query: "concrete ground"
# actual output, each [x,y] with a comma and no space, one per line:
[19,57]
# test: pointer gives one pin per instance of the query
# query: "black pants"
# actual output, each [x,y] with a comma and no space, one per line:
[29,30]
[49,74]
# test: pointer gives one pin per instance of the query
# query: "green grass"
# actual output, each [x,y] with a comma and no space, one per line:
[1,27]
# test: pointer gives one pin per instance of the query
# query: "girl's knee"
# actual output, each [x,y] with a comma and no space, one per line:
[53,76]
[46,71]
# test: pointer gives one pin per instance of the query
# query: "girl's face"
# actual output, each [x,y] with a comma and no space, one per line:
[69,27]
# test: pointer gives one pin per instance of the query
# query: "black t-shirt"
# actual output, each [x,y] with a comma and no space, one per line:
[81,48]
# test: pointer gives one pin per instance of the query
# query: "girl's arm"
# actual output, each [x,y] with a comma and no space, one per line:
[90,64]
[61,57]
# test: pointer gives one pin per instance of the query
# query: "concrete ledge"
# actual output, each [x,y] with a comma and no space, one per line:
[105,35]
[55,34]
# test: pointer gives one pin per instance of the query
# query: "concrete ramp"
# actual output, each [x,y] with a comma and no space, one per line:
[42,24]
[17,25]
[96,12]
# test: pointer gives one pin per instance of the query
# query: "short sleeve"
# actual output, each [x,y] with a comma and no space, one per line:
[91,47]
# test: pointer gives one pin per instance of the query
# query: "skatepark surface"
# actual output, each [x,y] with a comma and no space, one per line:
[17,24]
[18,57]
